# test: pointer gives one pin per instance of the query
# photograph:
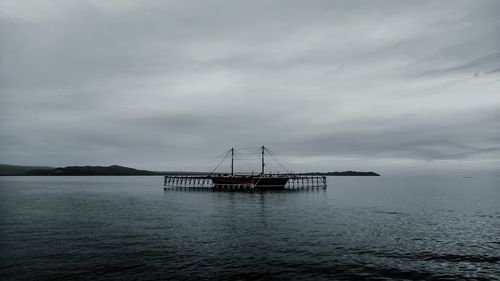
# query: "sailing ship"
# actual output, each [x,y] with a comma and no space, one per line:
[246,181]
[260,181]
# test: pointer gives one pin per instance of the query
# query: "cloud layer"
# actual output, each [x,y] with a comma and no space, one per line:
[328,84]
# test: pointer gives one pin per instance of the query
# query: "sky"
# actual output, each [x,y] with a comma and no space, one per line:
[386,86]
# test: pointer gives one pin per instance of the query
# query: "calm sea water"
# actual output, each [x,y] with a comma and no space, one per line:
[128,228]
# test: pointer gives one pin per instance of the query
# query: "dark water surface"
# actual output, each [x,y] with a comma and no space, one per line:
[128,228]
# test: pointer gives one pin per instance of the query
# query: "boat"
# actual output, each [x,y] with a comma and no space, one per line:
[260,181]
[245,181]
[257,182]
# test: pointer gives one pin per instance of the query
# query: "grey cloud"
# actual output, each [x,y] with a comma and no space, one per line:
[415,137]
[151,83]
[488,64]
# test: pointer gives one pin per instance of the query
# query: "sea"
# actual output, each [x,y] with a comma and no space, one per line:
[358,228]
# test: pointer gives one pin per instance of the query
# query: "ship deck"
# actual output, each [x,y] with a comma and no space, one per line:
[245,182]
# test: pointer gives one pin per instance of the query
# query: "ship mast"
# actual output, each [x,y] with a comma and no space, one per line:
[232,161]
[262,153]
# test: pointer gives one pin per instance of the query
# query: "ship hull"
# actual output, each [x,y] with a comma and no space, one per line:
[253,182]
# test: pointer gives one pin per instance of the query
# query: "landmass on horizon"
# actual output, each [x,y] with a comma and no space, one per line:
[116,170]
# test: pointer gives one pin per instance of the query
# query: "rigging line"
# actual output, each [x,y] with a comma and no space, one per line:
[274,158]
[247,150]
[245,157]
[219,155]
[246,154]
[281,165]
[227,154]
[272,151]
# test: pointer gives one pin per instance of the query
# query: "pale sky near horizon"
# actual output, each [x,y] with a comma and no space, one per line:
[327,85]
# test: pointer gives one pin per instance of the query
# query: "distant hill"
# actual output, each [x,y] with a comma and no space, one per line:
[113,170]
[347,173]
[14,170]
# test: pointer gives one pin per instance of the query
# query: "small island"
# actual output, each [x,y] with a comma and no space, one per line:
[346,173]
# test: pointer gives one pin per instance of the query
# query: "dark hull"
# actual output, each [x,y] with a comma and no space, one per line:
[256,182]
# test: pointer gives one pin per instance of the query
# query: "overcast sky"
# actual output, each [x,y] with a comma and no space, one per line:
[327,85]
